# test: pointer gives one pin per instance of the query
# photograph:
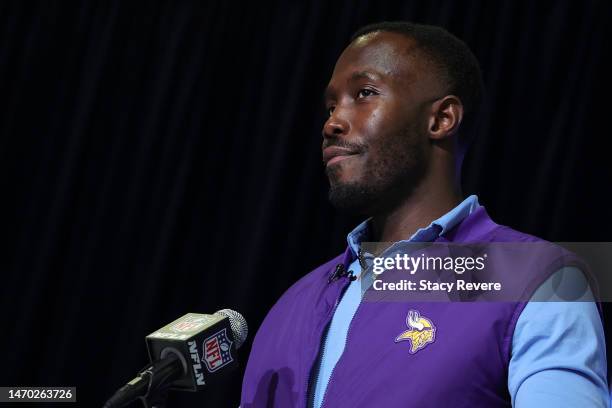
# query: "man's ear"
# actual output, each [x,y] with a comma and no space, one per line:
[445,118]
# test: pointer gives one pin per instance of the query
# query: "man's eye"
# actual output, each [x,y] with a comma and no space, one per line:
[330,110]
[365,92]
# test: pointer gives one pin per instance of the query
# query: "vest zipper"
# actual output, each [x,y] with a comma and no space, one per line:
[364,267]
[331,376]
[320,350]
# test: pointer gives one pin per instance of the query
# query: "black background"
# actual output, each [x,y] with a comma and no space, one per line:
[164,157]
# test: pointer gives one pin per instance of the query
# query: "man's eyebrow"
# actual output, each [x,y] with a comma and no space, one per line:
[369,75]
[372,76]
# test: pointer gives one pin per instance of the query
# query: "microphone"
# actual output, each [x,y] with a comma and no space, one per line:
[341,272]
[185,355]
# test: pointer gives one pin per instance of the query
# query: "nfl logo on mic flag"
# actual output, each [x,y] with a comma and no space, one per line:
[217,351]
[206,339]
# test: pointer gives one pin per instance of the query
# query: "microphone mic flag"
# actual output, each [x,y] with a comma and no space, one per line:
[187,355]
[205,344]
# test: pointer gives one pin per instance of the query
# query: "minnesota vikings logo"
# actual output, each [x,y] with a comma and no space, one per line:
[421,331]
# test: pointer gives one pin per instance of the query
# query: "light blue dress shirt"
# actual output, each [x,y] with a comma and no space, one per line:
[558,348]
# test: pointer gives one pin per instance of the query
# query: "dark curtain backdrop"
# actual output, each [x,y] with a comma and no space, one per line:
[164,157]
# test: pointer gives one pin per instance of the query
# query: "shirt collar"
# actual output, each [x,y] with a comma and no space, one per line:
[437,227]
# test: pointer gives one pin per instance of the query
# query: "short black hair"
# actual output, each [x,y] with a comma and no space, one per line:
[456,62]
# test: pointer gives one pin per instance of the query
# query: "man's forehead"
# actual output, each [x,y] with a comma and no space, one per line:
[382,53]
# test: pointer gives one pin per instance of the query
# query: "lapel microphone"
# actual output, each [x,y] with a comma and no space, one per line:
[341,272]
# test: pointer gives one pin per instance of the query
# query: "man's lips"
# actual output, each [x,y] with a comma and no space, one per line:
[334,154]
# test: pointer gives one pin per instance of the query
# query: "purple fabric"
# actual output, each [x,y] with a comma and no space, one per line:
[465,365]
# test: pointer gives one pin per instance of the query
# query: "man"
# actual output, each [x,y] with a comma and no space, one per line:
[392,151]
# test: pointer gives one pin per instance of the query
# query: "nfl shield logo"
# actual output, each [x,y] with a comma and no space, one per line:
[186,326]
[217,351]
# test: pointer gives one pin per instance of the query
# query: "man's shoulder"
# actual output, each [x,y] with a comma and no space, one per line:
[315,277]
[306,289]
[299,299]
[495,232]
[504,233]
[478,226]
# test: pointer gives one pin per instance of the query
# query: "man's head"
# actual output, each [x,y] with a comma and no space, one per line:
[396,98]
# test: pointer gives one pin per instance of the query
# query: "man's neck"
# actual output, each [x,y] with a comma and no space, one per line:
[418,210]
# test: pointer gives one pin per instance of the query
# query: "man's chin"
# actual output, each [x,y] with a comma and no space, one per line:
[351,198]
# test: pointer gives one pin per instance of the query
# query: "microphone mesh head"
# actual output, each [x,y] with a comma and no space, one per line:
[238,324]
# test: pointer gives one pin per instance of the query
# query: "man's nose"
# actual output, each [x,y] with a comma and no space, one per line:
[336,125]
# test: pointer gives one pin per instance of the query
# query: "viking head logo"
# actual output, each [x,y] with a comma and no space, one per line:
[421,331]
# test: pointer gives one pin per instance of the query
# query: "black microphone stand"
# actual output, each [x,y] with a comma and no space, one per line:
[159,381]
[151,385]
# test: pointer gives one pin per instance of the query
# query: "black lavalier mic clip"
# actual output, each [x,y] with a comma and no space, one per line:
[341,272]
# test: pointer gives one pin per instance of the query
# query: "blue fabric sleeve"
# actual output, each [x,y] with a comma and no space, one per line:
[558,349]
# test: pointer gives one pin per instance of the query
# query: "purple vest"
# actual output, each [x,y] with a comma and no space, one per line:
[466,365]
